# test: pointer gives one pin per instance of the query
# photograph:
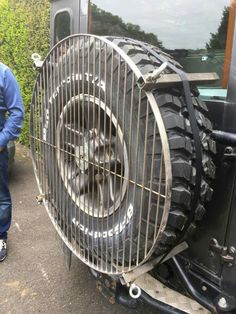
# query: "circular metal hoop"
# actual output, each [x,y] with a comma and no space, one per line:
[101,154]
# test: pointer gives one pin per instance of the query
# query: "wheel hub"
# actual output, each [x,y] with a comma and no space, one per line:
[93,175]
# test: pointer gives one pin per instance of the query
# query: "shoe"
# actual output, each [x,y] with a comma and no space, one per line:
[3,249]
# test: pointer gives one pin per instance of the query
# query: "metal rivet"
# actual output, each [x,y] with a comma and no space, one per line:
[222,303]
[204,288]
[229,150]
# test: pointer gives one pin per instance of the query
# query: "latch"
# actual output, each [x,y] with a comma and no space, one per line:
[38,63]
[227,254]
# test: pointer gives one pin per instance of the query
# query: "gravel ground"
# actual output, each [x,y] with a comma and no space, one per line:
[34,278]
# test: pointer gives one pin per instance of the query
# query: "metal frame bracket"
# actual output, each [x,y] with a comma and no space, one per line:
[159,80]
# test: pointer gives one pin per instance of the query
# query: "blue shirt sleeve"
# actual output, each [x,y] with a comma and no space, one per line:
[15,108]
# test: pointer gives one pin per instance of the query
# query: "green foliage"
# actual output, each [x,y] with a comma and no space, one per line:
[218,40]
[24,29]
[105,23]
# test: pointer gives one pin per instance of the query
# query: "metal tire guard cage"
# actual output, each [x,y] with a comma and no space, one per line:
[64,94]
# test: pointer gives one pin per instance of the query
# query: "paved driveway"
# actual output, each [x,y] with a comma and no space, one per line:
[34,278]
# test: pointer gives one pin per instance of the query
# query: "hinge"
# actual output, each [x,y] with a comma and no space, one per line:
[227,254]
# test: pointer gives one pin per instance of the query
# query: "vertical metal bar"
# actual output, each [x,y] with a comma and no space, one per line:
[55,117]
[122,161]
[40,133]
[137,151]
[93,170]
[32,126]
[109,149]
[74,158]
[48,137]
[78,215]
[37,133]
[143,184]
[36,126]
[159,196]
[65,147]
[99,160]
[46,141]
[104,153]
[37,129]
[43,101]
[118,57]
[83,130]
[150,192]
[89,166]
[70,148]
[129,155]
[61,150]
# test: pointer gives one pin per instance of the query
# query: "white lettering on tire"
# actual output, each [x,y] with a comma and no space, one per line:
[110,233]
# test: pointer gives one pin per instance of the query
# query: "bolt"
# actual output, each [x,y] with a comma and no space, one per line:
[229,150]
[204,288]
[232,250]
[222,303]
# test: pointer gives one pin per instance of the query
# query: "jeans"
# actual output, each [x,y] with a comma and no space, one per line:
[5,197]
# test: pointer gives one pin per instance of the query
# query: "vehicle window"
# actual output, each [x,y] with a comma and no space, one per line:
[194,32]
[62,26]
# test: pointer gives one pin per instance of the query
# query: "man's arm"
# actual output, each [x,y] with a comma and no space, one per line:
[15,108]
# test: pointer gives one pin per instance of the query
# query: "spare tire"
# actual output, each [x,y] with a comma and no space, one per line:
[174,111]
[104,162]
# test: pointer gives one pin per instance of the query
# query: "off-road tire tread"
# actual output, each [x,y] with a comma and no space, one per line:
[175,116]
